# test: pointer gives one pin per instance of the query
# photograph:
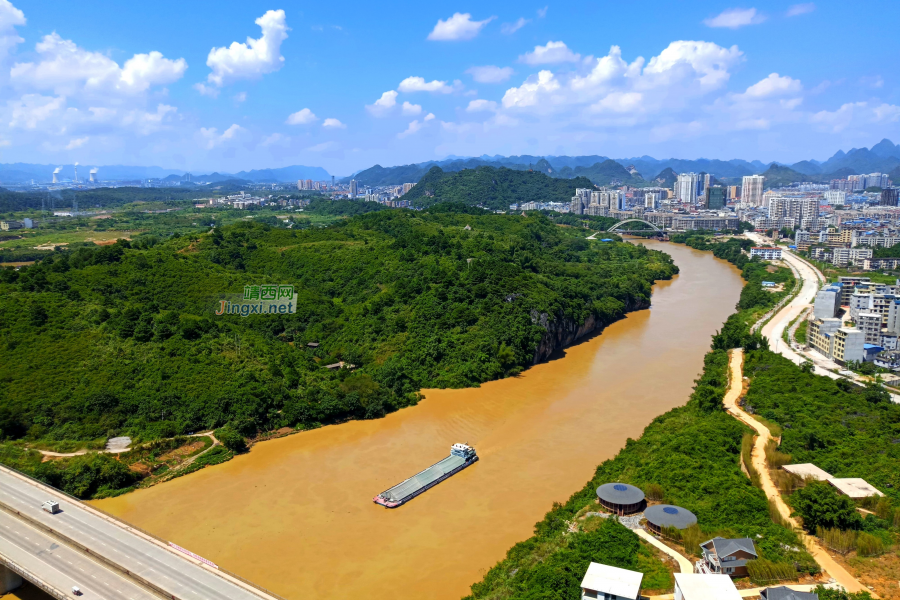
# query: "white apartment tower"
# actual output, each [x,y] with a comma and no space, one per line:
[800,209]
[353,188]
[686,187]
[752,189]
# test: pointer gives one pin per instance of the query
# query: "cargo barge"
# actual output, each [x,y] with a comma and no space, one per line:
[461,456]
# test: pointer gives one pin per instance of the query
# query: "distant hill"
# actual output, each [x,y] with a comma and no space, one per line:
[378,175]
[808,167]
[666,178]
[284,174]
[895,176]
[604,173]
[882,158]
[778,175]
[493,188]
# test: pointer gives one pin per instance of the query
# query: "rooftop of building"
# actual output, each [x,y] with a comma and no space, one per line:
[786,593]
[620,493]
[694,586]
[854,487]
[612,580]
[807,470]
[727,547]
[666,515]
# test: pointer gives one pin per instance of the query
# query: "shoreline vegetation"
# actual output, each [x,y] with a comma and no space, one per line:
[121,339]
[689,456]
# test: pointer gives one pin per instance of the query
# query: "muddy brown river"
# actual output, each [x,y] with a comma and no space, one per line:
[296,515]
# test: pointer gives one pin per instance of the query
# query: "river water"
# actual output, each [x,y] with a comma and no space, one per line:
[295,514]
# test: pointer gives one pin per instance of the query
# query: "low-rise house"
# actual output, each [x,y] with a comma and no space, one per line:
[610,583]
[727,556]
[786,593]
[10,225]
[766,253]
[888,360]
[691,586]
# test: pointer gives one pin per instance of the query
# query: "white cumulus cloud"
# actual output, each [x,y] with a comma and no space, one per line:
[490,74]
[77,143]
[31,109]
[302,117]
[383,105]
[551,53]
[458,27]
[67,69]
[411,109]
[683,70]
[418,84]
[481,106]
[413,127]
[213,138]
[734,18]
[10,18]
[333,124]
[773,85]
[255,57]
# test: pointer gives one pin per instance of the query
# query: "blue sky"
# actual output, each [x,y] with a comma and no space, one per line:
[345,85]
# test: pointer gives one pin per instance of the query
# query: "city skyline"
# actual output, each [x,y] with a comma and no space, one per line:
[264,85]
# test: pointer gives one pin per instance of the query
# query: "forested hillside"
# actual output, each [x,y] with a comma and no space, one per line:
[123,339]
[492,188]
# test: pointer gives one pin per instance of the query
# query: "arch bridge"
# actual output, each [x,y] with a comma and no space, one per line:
[618,227]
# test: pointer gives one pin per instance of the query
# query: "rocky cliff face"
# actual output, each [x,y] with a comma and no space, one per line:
[561,332]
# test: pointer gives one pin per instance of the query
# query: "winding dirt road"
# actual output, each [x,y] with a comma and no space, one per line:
[828,564]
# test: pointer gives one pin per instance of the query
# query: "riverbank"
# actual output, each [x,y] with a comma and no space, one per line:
[290,514]
[705,477]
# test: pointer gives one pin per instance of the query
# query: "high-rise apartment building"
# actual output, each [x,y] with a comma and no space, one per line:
[795,208]
[890,196]
[407,187]
[734,192]
[354,190]
[714,198]
[752,189]
[580,201]
[686,187]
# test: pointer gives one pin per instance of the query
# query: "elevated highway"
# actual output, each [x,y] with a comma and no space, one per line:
[106,558]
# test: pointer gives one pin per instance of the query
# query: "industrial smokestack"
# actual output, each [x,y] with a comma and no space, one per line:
[55,174]
[94,175]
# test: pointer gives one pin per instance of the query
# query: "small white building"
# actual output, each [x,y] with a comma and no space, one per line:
[854,487]
[766,253]
[808,471]
[693,586]
[611,583]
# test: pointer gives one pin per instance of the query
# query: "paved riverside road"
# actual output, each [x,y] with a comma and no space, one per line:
[96,539]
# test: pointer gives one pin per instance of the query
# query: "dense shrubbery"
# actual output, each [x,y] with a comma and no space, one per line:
[820,506]
[123,339]
[845,429]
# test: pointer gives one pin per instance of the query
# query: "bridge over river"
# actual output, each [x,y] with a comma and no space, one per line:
[105,558]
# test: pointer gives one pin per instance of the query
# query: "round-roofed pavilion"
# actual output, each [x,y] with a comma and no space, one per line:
[620,498]
[666,515]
